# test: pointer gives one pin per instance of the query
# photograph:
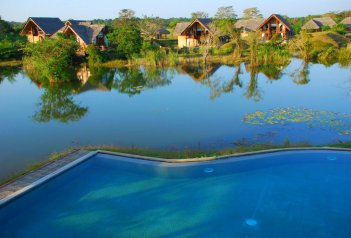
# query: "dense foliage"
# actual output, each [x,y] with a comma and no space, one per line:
[51,58]
[11,43]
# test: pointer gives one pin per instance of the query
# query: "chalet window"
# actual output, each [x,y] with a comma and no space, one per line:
[34,31]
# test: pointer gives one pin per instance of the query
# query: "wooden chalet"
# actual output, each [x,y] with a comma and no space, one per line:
[192,34]
[248,25]
[275,25]
[180,27]
[316,24]
[39,28]
[86,34]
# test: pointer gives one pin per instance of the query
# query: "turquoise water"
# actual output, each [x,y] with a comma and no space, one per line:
[285,194]
[172,108]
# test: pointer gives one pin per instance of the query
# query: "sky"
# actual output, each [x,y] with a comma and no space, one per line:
[20,10]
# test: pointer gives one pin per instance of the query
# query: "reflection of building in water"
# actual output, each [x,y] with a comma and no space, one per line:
[83,74]
[198,72]
[91,80]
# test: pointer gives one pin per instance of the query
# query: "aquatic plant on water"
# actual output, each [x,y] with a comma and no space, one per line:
[324,119]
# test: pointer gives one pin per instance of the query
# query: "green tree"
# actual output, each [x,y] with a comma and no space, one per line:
[127,40]
[199,14]
[340,28]
[302,43]
[126,14]
[126,36]
[252,12]
[52,58]
[225,13]
[149,26]
[95,56]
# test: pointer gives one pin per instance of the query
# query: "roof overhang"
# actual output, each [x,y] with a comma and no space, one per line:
[269,18]
[25,25]
[191,24]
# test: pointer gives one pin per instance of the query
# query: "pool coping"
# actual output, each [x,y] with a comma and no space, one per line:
[29,181]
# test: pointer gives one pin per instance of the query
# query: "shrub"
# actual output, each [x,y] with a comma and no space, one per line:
[51,58]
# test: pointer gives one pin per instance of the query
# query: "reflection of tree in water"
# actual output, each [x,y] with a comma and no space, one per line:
[218,87]
[8,73]
[252,89]
[301,75]
[57,103]
[204,74]
[133,80]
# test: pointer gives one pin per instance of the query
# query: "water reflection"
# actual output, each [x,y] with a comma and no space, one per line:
[8,73]
[134,80]
[58,100]
[57,103]
[301,75]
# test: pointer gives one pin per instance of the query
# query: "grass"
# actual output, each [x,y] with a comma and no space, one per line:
[11,63]
[329,38]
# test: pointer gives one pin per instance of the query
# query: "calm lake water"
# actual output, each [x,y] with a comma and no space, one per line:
[175,108]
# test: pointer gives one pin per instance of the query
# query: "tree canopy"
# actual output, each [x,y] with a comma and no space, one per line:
[252,12]
[225,13]
[199,14]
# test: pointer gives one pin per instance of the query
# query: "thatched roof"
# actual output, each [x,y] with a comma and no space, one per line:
[85,30]
[280,18]
[347,22]
[49,25]
[318,23]
[163,31]
[180,27]
[249,24]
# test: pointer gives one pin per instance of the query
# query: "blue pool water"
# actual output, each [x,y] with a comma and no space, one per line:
[285,194]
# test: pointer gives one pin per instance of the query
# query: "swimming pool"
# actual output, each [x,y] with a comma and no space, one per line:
[284,194]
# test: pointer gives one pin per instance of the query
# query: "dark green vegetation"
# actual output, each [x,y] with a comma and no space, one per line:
[49,60]
[135,41]
[11,43]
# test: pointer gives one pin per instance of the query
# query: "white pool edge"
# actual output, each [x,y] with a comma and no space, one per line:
[155,159]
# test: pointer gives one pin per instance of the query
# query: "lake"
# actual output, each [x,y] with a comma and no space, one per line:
[173,109]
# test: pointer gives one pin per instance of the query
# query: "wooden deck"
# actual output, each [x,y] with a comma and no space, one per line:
[11,188]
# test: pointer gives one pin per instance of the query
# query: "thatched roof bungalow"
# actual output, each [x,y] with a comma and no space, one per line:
[275,25]
[316,24]
[347,23]
[248,25]
[38,28]
[87,33]
[190,36]
[180,27]
[162,33]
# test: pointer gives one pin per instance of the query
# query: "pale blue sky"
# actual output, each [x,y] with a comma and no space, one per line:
[20,10]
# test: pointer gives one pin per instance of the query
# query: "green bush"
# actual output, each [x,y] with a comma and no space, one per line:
[95,56]
[340,28]
[51,58]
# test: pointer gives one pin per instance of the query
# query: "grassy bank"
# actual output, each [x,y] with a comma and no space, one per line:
[11,63]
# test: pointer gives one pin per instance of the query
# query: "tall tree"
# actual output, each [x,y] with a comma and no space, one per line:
[126,14]
[199,14]
[252,12]
[225,13]
[150,26]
